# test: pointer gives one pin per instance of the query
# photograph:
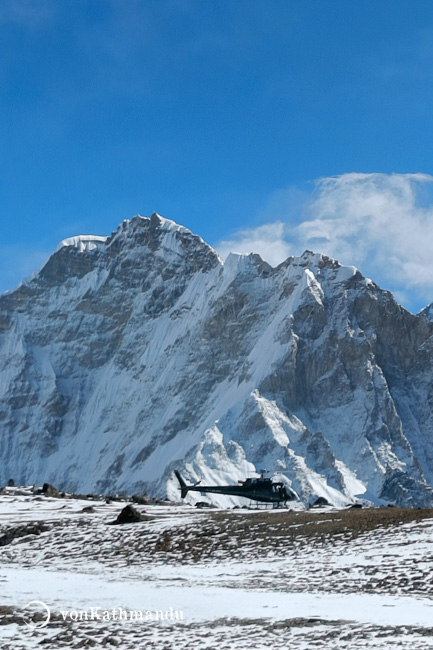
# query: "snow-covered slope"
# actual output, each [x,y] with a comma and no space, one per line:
[131,355]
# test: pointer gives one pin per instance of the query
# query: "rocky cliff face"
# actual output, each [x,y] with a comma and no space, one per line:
[128,356]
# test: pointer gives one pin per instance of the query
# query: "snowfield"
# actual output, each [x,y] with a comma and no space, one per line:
[212,578]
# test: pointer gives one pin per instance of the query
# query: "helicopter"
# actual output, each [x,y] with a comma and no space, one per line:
[260,489]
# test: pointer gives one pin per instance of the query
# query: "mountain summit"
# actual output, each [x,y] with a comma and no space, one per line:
[131,355]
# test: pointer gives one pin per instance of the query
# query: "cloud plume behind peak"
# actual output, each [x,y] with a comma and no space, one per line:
[382,223]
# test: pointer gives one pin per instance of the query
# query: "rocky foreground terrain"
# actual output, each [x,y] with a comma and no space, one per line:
[325,578]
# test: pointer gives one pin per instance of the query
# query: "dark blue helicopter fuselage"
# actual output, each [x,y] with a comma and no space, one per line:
[260,489]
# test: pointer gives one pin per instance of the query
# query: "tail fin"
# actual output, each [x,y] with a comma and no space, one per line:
[183,486]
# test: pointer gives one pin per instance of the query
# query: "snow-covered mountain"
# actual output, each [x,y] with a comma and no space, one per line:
[131,355]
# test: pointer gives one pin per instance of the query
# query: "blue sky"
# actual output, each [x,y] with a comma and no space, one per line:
[222,115]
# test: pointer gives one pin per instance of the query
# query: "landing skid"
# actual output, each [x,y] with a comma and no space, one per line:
[258,505]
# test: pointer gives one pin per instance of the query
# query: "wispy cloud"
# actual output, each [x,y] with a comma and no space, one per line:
[382,223]
[379,222]
[268,240]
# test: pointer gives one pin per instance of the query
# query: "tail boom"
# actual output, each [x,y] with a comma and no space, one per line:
[183,486]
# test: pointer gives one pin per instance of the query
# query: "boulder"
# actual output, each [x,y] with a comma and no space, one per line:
[51,491]
[141,499]
[129,515]
[320,502]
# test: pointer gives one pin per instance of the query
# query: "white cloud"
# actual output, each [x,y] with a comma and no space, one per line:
[382,223]
[268,241]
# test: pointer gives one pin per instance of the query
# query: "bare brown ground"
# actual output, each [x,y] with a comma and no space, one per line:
[351,521]
[247,534]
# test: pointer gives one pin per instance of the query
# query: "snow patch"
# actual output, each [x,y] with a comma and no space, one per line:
[83,243]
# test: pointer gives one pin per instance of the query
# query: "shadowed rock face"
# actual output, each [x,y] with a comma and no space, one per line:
[128,356]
